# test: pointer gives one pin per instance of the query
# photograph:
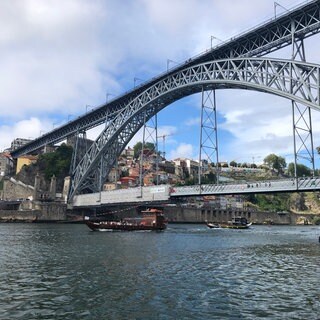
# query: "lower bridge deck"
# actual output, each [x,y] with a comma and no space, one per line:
[163,193]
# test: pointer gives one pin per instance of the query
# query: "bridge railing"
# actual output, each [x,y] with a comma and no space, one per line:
[123,196]
[283,185]
[164,192]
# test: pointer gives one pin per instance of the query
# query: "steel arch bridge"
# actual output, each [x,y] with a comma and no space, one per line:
[293,80]
[232,64]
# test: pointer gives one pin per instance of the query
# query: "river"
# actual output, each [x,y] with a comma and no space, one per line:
[65,271]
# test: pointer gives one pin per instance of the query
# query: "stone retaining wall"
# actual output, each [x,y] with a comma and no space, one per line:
[200,215]
[18,216]
[13,189]
[42,211]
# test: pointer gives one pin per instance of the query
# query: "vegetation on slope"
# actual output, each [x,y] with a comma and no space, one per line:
[49,164]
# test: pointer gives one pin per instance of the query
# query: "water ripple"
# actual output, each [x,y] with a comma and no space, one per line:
[187,272]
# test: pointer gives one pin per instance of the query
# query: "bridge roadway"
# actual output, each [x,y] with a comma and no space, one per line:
[300,22]
[164,193]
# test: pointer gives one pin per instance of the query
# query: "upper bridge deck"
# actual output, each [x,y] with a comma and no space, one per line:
[299,22]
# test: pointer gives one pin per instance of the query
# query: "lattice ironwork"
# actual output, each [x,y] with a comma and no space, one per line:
[150,134]
[296,81]
[124,115]
[303,21]
[208,153]
[301,117]
[302,130]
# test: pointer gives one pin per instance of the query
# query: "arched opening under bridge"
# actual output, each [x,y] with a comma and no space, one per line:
[292,80]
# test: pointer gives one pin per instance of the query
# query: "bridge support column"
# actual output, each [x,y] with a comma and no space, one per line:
[150,134]
[79,144]
[301,116]
[208,134]
[302,135]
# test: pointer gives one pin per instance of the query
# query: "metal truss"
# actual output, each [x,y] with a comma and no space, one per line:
[79,139]
[150,134]
[302,132]
[302,21]
[208,133]
[301,117]
[296,81]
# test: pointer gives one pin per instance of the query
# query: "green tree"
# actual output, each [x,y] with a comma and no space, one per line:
[318,150]
[275,162]
[56,163]
[302,170]
[274,202]
[233,163]
[209,178]
[138,147]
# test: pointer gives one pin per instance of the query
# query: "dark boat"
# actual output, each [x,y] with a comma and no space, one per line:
[151,220]
[235,223]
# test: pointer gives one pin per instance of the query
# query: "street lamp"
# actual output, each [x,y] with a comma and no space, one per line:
[214,38]
[168,62]
[88,106]
[107,95]
[69,116]
[135,79]
[276,4]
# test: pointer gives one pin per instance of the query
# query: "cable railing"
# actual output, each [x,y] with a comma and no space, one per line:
[138,195]
[283,185]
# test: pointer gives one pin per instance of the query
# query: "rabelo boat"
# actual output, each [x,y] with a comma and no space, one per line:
[151,220]
[235,223]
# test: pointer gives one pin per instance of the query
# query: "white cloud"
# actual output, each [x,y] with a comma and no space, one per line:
[184,150]
[193,122]
[29,128]
[51,54]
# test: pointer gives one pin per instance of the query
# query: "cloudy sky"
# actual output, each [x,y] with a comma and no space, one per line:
[60,59]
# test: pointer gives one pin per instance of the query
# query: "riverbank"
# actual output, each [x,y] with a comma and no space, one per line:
[200,215]
[57,212]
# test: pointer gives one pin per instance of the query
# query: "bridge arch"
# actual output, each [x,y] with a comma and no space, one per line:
[297,81]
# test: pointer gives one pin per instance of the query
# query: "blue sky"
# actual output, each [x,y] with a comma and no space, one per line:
[60,58]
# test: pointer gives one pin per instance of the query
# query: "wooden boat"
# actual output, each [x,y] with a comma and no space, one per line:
[151,220]
[235,223]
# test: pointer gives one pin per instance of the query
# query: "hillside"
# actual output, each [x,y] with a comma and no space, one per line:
[50,164]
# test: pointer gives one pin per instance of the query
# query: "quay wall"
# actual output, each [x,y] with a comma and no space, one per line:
[36,212]
[18,216]
[51,211]
[181,214]
[55,212]
[200,215]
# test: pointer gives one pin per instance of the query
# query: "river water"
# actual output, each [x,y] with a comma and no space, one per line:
[64,271]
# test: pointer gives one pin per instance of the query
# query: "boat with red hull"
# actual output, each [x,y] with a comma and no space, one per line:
[151,220]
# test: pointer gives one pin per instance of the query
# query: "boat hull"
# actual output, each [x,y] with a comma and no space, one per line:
[240,223]
[228,226]
[110,226]
[152,220]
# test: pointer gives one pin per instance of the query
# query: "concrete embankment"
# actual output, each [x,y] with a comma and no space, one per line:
[200,215]
[57,212]
[18,216]
[36,212]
